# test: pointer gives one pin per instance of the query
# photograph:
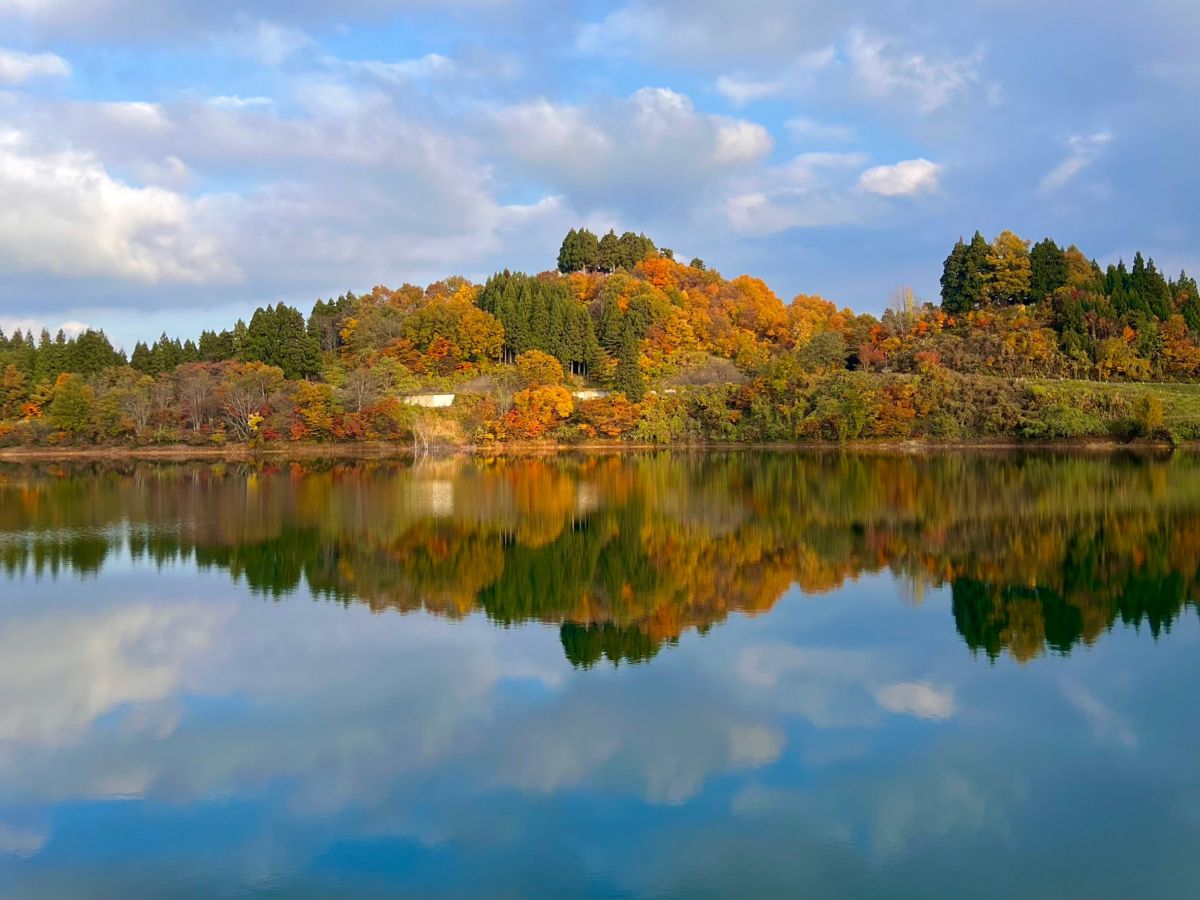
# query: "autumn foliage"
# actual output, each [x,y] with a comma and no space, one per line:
[626,343]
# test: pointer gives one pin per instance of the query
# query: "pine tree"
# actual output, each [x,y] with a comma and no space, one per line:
[279,336]
[568,253]
[49,362]
[91,352]
[1155,292]
[627,379]
[1048,269]
[140,360]
[1188,300]
[589,250]
[974,271]
[953,275]
[610,324]
[635,248]
[608,258]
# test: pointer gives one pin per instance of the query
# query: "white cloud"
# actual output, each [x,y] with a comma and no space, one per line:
[406,70]
[741,142]
[886,72]
[189,20]
[268,43]
[96,663]
[652,150]
[917,698]
[805,129]
[17,67]
[912,176]
[809,191]
[740,90]
[65,214]
[798,77]
[1084,150]
[704,31]
[1107,724]
[134,115]
[21,841]
[233,101]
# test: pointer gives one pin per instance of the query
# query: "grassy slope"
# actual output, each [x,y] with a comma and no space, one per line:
[1181,402]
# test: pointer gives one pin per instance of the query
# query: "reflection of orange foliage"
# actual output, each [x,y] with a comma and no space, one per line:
[663,544]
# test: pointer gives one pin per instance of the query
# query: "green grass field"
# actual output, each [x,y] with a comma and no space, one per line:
[1180,402]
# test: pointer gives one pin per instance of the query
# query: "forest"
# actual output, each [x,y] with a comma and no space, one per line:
[623,343]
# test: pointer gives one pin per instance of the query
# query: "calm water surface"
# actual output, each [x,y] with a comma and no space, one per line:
[640,676]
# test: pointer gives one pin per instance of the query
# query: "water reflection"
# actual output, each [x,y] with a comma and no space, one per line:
[624,555]
[178,718]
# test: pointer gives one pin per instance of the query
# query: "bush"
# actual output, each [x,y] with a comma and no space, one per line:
[1061,421]
[1150,419]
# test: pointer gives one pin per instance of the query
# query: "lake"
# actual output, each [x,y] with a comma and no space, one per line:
[640,675]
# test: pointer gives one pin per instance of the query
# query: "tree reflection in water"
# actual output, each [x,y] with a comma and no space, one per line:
[627,553]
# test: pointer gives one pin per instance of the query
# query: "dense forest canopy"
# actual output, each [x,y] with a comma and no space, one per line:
[1029,341]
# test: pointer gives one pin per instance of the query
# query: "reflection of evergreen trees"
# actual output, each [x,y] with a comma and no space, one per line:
[1022,620]
[585,645]
[624,555]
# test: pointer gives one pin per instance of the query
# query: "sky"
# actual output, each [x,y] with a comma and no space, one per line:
[171,165]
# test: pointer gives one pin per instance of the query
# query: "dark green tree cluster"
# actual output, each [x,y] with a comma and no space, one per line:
[974,272]
[327,319]
[85,354]
[586,645]
[620,335]
[582,251]
[163,355]
[540,314]
[279,336]
[963,274]
[220,346]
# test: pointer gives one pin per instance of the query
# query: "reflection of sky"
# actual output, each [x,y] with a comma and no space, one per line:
[166,732]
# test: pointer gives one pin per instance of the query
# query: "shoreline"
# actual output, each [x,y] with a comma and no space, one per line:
[384,450]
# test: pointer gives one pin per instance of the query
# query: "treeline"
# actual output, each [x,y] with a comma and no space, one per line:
[1126,322]
[1028,343]
[582,251]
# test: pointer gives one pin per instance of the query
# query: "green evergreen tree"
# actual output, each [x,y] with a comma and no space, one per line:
[610,325]
[140,359]
[1048,265]
[953,275]
[91,353]
[1157,293]
[627,379]
[1188,300]
[279,336]
[635,248]
[589,250]
[608,256]
[569,259]
[975,271]
[50,359]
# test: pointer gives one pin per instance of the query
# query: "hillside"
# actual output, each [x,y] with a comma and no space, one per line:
[623,342]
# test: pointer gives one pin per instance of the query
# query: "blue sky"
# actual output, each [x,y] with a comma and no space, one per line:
[172,164]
